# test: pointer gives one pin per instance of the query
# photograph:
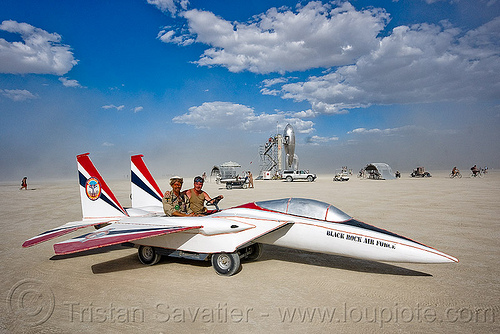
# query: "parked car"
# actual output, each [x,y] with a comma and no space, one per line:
[292,175]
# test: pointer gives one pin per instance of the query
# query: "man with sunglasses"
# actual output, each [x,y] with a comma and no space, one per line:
[197,197]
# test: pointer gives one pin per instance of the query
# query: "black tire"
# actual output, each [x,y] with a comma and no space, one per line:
[148,255]
[289,179]
[226,264]
[229,186]
[253,252]
[310,178]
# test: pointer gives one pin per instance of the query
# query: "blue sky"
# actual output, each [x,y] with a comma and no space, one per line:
[191,84]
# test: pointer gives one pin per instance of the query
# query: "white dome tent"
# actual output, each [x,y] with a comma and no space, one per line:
[379,171]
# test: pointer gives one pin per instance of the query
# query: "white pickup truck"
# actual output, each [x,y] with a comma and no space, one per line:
[292,175]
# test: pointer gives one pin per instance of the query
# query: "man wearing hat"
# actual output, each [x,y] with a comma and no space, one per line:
[174,202]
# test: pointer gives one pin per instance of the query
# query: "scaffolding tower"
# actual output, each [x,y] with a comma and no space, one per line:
[271,157]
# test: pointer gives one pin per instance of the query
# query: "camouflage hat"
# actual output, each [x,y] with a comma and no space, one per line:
[174,179]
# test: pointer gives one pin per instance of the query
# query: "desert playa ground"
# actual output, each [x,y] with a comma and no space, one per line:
[288,290]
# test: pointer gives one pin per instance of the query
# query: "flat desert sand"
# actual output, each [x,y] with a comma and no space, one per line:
[287,290]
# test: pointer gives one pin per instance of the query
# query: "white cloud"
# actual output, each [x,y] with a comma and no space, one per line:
[401,131]
[315,35]
[137,109]
[229,115]
[422,63]
[388,132]
[40,52]
[70,82]
[107,144]
[112,106]
[168,36]
[169,6]
[17,94]
[418,64]
[272,82]
[305,114]
[273,92]
[317,140]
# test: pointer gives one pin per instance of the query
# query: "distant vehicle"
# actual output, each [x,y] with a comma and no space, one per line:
[292,175]
[420,172]
[341,175]
[229,174]
[237,182]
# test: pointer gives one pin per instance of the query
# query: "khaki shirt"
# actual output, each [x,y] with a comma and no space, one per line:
[173,203]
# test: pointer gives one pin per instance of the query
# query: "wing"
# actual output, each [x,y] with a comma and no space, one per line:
[61,230]
[115,233]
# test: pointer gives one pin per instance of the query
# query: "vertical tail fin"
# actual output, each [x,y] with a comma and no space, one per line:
[98,201]
[145,191]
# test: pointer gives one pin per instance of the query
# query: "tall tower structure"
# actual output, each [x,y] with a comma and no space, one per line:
[271,154]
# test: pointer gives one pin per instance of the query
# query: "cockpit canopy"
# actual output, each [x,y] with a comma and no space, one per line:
[304,207]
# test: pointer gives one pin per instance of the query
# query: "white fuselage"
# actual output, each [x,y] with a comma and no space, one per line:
[296,232]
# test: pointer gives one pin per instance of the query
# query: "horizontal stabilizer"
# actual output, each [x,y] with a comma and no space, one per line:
[57,232]
[113,234]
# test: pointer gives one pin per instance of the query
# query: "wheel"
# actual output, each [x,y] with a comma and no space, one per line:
[289,179]
[310,178]
[148,255]
[229,186]
[226,264]
[245,185]
[253,252]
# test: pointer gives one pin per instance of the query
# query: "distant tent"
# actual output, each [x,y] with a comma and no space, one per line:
[225,170]
[230,164]
[380,171]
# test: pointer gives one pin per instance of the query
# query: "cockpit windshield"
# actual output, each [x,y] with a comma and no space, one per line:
[305,208]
